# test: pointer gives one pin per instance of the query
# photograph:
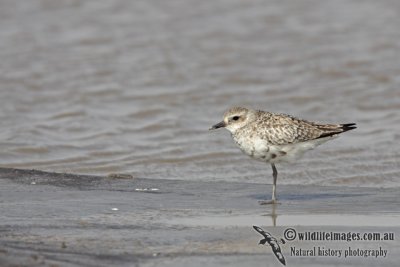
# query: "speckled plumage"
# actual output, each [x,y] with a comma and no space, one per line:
[273,138]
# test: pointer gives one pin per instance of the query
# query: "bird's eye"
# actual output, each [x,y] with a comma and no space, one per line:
[235,118]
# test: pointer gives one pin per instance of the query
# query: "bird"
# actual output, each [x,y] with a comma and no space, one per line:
[273,242]
[274,138]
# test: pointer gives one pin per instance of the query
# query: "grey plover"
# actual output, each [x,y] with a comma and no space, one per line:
[274,138]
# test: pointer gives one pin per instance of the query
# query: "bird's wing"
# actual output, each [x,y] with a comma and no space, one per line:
[277,251]
[258,229]
[281,129]
[265,234]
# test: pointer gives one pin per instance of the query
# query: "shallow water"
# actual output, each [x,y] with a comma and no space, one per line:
[103,87]
[292,219]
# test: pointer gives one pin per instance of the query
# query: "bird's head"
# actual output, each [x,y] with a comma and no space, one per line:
[235,118]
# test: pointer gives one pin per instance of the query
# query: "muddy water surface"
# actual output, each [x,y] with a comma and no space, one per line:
[99,87]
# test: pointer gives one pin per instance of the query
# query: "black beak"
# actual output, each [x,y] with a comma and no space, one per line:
[218,125]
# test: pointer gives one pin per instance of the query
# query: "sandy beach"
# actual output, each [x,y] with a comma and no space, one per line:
[52,219]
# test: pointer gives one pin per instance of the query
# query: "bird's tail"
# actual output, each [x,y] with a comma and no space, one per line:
[348,126]
[331,129]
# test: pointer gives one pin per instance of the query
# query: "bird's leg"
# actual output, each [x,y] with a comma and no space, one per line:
[275,177]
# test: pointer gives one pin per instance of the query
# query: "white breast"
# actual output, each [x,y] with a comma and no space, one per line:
[254,147]
[261,150]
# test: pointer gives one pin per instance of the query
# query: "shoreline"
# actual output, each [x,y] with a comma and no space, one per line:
[82,220]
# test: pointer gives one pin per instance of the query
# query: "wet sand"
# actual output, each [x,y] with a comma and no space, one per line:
[52,219]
